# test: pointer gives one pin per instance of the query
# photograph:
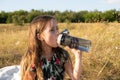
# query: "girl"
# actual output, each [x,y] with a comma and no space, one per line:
[44,59]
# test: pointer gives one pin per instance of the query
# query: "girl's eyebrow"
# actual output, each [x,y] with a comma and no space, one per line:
[54,27]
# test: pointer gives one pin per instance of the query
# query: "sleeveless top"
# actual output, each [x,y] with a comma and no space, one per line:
[54,69]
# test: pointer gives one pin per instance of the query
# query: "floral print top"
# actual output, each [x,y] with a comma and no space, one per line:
[54,69]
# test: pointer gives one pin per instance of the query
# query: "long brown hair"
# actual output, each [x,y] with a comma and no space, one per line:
[35,47]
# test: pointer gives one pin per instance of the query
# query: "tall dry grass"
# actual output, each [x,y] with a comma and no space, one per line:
[101,63]
[13,43]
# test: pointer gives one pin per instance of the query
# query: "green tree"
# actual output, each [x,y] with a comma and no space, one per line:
[19,17]
[3,17]
[108,16]
[33,13]
[79,16]
[9,19]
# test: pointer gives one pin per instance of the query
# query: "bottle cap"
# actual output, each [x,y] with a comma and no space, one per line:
[59,39]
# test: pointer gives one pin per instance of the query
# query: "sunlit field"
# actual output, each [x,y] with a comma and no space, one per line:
[101,63]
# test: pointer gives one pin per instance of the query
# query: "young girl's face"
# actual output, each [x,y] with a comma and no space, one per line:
[50,33]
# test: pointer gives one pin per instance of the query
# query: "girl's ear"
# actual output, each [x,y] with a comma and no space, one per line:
[40,37]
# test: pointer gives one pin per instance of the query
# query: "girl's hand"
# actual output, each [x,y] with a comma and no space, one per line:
[76,71]
[76,52]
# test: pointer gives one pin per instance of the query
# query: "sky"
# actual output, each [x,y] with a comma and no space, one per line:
[59,5]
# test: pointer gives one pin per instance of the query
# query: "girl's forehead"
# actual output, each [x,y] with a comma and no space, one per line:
[51,24]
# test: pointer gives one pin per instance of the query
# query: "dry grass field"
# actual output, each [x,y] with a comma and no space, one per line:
[101,63]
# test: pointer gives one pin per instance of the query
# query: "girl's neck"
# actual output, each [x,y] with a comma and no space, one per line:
[48,52]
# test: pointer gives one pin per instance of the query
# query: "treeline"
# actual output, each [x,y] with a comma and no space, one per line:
[20,17]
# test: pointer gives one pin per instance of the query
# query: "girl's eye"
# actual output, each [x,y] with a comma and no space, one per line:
[52,30]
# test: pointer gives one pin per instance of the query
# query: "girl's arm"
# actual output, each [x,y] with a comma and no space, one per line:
[75,72]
